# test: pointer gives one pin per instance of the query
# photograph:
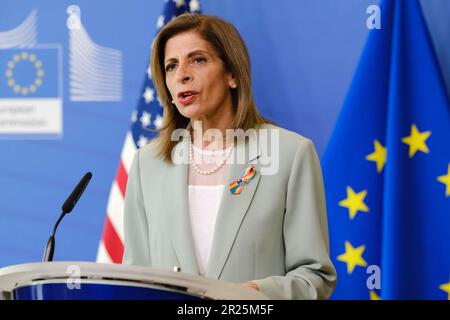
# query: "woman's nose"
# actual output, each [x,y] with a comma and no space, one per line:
[183,74]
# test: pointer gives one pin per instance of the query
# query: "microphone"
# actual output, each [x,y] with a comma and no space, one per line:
[67,207]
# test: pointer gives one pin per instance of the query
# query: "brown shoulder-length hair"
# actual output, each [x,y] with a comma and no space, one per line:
[230,48]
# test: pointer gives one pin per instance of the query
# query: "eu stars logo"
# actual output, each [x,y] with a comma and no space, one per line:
[24,62]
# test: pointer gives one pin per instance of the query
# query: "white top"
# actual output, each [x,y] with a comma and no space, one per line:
[204,204]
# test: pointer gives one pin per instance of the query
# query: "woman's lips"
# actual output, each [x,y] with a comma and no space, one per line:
[187,97]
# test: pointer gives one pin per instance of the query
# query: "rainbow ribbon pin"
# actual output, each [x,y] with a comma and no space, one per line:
[247,175]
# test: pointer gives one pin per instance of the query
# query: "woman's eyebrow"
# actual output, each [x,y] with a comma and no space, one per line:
[195,52]
[169,60]
[189,55]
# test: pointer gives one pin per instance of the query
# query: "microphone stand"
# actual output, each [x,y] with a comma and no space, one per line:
[67,207]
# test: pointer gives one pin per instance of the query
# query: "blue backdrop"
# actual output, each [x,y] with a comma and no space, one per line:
[303,53]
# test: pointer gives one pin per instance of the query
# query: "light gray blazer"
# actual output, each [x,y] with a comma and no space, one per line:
[274,233]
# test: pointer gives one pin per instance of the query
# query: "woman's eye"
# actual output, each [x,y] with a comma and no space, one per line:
[199,59]
[170,67]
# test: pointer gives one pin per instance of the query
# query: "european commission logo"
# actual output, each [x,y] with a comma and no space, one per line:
[30,92]
[30,84]
[31,77]
[22,36]
[95,71]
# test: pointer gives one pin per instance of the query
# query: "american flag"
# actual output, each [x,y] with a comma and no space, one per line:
[148,115]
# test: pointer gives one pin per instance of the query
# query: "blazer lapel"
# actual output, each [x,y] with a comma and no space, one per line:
[232,210]
[175,194]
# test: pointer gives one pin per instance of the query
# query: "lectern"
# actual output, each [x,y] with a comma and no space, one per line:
[100,281]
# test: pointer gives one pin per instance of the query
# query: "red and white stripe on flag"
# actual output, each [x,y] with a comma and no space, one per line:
[111,245]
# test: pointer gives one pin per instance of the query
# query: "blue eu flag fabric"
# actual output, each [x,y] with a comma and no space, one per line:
[387,168]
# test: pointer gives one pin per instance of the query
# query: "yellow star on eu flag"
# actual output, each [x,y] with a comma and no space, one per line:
[354,202]
[374,296]
[446,287]
[416,141]
[445,179]
[353,257]
[378,156]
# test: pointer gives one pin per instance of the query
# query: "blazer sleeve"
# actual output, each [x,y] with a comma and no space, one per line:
[136,237]
[310,273]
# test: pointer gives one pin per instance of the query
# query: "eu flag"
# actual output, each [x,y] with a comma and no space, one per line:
[29,73]
[387,168]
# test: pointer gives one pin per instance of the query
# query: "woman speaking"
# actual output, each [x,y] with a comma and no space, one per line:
[221,191]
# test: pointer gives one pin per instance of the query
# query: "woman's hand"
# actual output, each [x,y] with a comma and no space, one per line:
[250,285]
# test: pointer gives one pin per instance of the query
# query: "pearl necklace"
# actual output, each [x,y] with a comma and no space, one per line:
[211,171]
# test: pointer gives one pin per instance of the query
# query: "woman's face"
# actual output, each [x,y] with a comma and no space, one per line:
[196,77]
